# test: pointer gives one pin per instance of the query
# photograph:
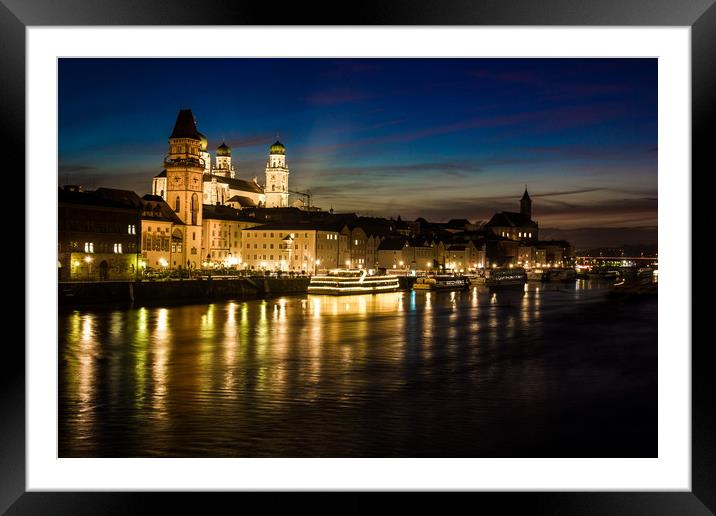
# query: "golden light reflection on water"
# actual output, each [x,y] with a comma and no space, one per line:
[141,342]
[160,348]
[168,365]
[87,357]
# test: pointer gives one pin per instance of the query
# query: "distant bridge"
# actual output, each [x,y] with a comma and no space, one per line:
[619,258]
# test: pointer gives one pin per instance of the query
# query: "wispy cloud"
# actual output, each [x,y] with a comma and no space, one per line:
[333,97]
[555,119]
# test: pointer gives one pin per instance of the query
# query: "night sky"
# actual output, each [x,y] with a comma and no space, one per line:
[438,138]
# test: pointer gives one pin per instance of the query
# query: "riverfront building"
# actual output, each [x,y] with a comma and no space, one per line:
[98,234]
[201,215]
[293,247]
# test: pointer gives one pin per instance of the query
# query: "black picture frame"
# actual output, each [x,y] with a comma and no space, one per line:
[700,15]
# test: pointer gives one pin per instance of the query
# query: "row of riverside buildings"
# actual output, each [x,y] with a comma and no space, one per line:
[199,215]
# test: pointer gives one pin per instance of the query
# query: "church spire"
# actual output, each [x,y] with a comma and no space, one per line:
[526,205]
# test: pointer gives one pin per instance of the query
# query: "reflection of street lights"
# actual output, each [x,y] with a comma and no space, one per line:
[88,261]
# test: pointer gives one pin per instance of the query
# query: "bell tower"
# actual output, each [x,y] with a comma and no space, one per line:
[223,161]
[526,205]
[185,169]
[276,188]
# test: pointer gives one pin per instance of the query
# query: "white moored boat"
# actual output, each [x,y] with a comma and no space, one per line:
[342,281]
[441,282]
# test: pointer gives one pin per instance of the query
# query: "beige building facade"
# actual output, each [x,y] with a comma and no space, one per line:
[290,247]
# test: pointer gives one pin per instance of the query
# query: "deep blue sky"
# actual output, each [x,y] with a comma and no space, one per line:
[439,138]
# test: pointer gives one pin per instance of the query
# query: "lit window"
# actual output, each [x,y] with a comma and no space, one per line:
[89,247]
[118,248]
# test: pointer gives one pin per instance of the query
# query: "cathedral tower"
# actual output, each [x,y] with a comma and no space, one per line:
[223,161]
[185,169]
[526,205]
[276,188]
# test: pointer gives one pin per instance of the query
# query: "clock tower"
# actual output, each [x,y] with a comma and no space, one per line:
[185,168]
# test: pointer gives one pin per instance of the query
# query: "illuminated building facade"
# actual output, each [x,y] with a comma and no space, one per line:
[98,234]
[292,247]
[276,177]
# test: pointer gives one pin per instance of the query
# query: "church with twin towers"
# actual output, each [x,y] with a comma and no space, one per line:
[190,178]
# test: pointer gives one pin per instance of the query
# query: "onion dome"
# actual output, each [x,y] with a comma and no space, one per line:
[223,150]
[277,148]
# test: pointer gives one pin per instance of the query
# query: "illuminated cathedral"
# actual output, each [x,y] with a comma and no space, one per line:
[219,182]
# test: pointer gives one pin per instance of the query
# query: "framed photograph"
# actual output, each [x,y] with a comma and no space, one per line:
[412,251]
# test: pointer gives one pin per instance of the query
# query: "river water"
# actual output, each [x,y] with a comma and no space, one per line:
[554,371]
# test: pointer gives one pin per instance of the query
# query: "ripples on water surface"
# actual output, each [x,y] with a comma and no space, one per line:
[553,371]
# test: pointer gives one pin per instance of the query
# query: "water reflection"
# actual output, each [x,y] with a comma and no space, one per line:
[374,375]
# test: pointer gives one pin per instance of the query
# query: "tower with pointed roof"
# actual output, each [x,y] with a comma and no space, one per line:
[526,205]
[184,187]
[276,187]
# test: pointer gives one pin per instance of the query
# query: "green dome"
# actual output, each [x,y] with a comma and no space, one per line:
[223,150]
[277,148]
[204,142]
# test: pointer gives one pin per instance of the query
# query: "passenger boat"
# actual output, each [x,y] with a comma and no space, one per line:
[476,279]
[535,275]
[441,282]
[560,275]
[603,274]
[506,277]
[348,281]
